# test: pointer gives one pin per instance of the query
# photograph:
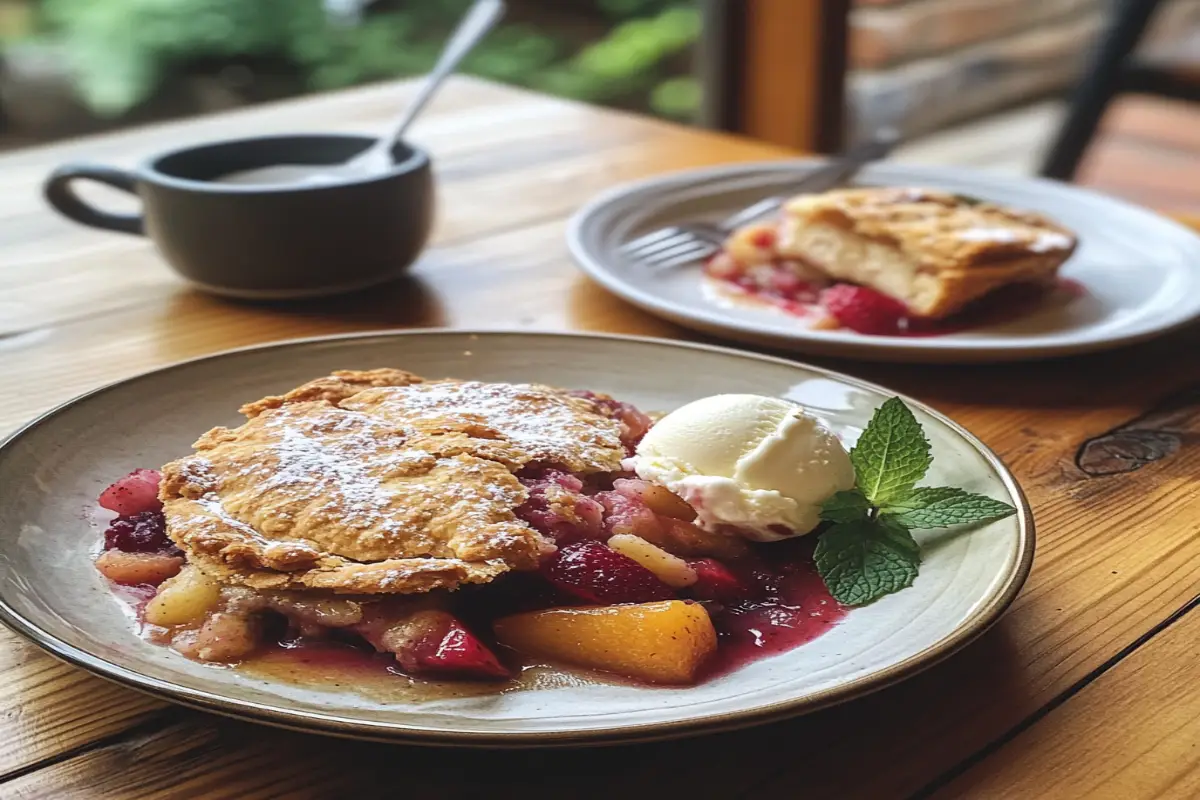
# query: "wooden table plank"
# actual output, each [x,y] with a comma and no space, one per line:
[88,307]
[48,708]
[1133,732]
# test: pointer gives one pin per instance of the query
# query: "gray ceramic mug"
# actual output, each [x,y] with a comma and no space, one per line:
[274,241]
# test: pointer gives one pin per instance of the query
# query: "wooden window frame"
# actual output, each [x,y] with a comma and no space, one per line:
[775,70]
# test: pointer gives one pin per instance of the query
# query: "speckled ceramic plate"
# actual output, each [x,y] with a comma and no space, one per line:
[52,470]
[1136,274]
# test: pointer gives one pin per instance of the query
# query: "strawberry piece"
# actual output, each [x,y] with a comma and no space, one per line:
[457,653]
[133,494]
[428,641]
[595,573]
[715,581]
[864,310]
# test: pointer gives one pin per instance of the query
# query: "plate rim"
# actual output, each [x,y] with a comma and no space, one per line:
[306,721]
[832,343]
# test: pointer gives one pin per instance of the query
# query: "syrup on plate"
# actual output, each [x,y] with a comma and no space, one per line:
[796,609]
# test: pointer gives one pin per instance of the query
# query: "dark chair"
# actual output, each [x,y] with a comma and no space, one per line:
[1114,70]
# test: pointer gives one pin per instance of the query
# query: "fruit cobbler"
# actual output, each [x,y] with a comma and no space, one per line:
[468,530]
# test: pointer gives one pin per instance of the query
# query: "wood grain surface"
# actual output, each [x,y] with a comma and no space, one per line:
[1133,732]
[1089,669]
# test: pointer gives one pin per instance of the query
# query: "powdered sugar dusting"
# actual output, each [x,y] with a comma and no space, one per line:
[998,235]
[212,504]
[505,408]
[345,468]
[393,472]
[1047,241]
[198,471]
[1042,241]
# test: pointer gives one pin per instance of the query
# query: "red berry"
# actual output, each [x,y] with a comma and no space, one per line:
[456,652]
[595,573]
[864,310]
[141,533]
[133,494]
[715,581]
[428,642]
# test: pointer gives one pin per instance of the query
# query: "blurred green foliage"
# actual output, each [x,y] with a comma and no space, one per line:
[123,50]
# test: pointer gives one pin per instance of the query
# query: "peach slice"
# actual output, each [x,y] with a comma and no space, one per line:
[183,599]
[662,642]
[659,499]
[134,568]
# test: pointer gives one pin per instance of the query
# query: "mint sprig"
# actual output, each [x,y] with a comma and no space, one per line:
[942,507]
[848,506]
[891,455]
[863,560]
[869,550]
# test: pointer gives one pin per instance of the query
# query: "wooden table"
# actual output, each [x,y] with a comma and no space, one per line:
[1086,688]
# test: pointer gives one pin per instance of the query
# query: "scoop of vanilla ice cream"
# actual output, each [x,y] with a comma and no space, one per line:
[757,463]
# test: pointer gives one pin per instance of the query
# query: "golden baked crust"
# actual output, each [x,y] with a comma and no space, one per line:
[404,487]
[937,230]
[934,251]
[334,388]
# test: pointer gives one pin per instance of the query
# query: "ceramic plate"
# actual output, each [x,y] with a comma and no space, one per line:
[1138,273]
[52,471]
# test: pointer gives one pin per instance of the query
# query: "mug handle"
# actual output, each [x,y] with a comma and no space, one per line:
[60,194]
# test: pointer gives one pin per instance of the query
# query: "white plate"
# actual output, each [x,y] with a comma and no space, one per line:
[50,592]
[1141,272]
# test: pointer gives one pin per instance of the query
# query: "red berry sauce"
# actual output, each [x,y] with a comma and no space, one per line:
[795,609]
[793,295]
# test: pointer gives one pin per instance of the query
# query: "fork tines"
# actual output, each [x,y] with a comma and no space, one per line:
[674,245]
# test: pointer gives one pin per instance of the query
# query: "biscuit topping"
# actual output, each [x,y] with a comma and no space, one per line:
[392,489]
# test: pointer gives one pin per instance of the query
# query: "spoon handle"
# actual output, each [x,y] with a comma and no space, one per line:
[474,26]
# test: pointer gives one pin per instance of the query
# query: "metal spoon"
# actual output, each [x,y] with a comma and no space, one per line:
[479,20]
[475,25]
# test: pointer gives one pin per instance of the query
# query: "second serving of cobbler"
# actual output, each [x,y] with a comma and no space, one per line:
[896,261]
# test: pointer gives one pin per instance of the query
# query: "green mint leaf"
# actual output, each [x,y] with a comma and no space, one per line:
[891,455]
[845,507]
[943,506]
[864,560]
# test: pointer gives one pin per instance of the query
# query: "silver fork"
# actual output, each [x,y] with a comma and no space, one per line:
[676,245]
